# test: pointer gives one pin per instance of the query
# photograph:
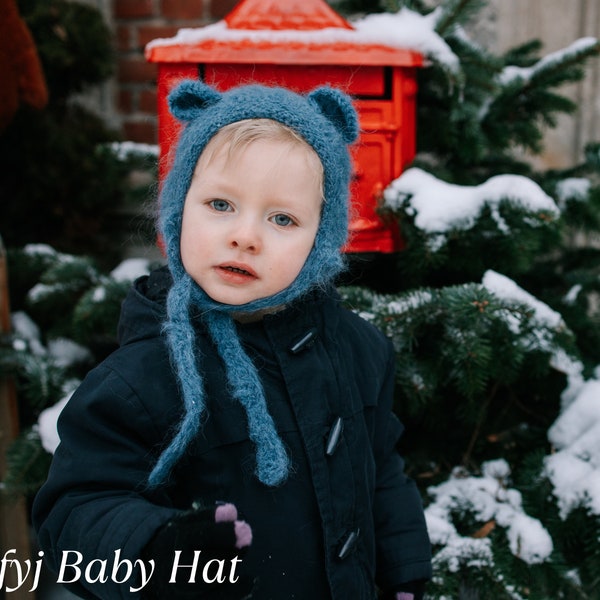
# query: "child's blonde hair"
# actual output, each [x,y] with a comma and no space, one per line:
[237,136]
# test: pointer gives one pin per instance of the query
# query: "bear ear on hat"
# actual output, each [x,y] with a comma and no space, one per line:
[190,98]
[337,108]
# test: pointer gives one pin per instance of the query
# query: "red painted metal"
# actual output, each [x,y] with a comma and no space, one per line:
[275,14]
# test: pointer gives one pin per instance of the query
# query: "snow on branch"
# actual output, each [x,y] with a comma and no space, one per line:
[490,502]
[439,207]
[574,469]
[550,62]
[550,322]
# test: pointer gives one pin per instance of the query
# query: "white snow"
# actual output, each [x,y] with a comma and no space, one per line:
[127,271]
[527,537]
[580,417]
[490,501]
[131,269]
[126,149]
[511,72]
[410,301]
[40,250]
[99,294]
[65,352]
[576,482]
[439,207]
[62,352]
[47,424]
[572,188]
[463,552]
[571,295]
[405,29]
[506,288]
[27,333]
[39,292]
[574,469]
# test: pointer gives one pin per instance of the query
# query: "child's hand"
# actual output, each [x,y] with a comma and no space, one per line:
[213,540]
[404,596]
[412,590]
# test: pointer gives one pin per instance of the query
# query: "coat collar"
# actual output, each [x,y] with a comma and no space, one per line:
[144,312]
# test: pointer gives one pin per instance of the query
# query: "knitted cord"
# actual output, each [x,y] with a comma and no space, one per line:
[272,462]
[181,339]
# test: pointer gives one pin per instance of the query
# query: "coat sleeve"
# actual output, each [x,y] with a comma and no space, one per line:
[402,543]
[95,501]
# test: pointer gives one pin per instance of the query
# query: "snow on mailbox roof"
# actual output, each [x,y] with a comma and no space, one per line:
[306,32]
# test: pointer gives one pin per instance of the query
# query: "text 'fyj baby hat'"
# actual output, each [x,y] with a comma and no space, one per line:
[327,121]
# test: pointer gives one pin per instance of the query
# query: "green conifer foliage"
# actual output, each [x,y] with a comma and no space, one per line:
[485,371]
[64,322]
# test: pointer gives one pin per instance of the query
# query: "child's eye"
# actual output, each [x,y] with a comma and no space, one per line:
[282,220]
[220,205]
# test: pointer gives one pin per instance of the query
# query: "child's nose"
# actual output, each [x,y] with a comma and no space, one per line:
[246,237]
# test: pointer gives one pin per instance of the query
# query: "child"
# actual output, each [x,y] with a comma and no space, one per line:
[242,435]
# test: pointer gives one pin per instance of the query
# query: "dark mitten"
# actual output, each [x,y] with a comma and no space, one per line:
[213,540]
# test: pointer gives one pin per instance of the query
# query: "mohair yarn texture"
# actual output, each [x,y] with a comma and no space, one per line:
[327,121]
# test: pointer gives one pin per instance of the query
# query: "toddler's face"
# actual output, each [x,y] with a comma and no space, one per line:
[250,220]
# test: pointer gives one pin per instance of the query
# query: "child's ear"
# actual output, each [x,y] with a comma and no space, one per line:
[190,98]
[338,109]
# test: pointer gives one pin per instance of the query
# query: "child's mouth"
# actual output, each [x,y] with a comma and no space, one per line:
[237,273]
[237,270]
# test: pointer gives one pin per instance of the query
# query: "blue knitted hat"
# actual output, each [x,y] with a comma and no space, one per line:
[327,121]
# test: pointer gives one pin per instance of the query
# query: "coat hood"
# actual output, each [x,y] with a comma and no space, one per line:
[144,311]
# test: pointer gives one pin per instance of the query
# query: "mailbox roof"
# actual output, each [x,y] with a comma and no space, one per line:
[301,32]
[284,14]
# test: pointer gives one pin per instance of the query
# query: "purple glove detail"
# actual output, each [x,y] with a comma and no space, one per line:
[243,532]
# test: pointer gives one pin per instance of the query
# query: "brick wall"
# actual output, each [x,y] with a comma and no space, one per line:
[135,23]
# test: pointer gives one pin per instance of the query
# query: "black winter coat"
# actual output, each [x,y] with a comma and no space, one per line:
[121,417]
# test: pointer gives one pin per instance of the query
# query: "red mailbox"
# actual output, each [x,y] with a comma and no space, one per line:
[293,43]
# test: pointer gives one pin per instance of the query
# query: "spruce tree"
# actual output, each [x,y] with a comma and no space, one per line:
[65,313]
[494,316]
